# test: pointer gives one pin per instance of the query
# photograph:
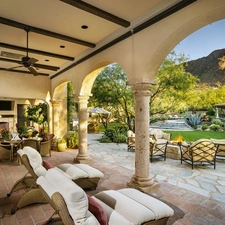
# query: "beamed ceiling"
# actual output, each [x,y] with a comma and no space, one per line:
[63,33]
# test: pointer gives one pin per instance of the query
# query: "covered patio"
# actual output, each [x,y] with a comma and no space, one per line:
[194,199]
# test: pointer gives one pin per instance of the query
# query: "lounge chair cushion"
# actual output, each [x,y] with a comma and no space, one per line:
[35,160]
[144,208]
[97,210]
[76,171]
[74,196]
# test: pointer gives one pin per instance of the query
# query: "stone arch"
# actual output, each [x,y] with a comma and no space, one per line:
[89,79]
[59,110]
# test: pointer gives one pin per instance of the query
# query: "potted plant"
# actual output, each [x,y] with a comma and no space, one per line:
[72,139]
[5,134]
[61,144]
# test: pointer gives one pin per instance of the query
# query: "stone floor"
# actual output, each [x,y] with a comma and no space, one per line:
[197,196]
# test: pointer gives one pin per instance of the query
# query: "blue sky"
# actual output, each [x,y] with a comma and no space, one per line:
[204,41]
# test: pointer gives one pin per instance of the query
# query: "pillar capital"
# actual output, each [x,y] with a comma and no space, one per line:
[55,103]
[141,84]
[83,98]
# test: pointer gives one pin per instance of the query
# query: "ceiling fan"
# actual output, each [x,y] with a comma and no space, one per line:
[26,61]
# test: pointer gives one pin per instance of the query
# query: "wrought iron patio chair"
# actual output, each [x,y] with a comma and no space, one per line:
[201,152]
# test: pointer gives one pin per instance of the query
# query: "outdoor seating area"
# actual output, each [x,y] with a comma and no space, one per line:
[186,210]
[158,142]
[83,175]
[107,207]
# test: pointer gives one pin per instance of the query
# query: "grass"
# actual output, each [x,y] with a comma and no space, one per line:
[187,135]
[196,135]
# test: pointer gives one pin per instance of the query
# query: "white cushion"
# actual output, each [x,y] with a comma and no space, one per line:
[46,185]
[114,218]
[76,171]
[75,198]
[72,171]
[35,160]
[159,208]
[144,207]
[92,172]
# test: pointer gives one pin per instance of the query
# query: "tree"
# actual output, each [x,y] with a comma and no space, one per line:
[71,105]
[111,92]
[38,113]
[173,90]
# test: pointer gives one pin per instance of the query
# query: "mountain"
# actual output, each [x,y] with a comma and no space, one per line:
[207,68]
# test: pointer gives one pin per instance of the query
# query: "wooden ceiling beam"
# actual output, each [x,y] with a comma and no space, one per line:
[41,66]
[26,72]
[98,12]
[45,32]
[35,51]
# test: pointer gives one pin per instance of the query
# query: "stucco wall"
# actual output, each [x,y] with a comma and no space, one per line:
[18,85]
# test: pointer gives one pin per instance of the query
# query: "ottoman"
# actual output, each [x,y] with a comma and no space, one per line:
[83,175]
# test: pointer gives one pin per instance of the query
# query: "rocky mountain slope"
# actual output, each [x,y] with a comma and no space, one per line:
[207,68]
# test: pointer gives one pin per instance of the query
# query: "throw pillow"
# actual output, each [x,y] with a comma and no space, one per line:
[48,137]
[47,165]
[97,210]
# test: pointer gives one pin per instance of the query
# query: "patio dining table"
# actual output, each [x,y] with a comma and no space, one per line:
[14,145]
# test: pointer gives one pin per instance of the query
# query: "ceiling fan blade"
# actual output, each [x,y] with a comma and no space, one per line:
[31,61]
[14,67]
[33,71]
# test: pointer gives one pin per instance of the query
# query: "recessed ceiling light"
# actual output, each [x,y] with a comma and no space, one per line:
[84,27]
[62,46]
[47,60]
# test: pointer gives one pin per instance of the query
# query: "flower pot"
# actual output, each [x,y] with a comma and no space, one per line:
[62,147]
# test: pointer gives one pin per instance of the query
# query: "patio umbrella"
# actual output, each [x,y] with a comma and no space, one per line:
[99,111]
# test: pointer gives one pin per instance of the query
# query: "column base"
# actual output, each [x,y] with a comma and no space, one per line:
[83,158]
[145,185]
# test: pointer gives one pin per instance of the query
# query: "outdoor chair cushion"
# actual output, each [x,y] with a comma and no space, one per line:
[75,197]
[76,171]
[126,206]
[84,175]
[34,159]
[144,207]
[159,134]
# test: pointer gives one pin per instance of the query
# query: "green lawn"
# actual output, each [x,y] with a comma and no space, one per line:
[187,135]
[196,135]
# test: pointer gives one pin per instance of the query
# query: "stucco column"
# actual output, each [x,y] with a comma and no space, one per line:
[83,155]
[55,119]
[141,180]
[217,113]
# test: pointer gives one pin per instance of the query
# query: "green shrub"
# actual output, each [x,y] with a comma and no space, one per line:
[116,134]
[120,138]
[109,133]
[72,139]
[204,126]
[211,112]
[214,127]
[217,122]
[105,139]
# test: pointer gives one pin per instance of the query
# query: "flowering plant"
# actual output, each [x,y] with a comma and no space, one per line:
[5,133]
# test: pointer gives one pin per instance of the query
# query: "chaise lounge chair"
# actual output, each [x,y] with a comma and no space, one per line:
[85,176]
[122,207]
